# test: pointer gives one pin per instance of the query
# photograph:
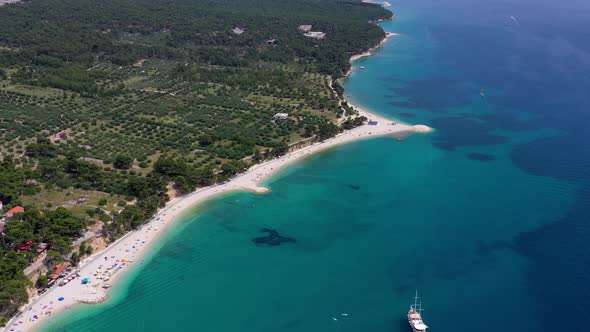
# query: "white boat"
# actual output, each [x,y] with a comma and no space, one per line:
[362,67]
[415,316]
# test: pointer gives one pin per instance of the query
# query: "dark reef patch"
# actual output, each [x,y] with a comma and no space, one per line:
[564,157]
[558,255]
[481,156]
[406,115]
[506,121]
[272,239]
[354,187]
[178,251]
[434,94]
[457,131]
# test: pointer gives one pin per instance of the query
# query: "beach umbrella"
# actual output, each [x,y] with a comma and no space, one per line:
[60,299]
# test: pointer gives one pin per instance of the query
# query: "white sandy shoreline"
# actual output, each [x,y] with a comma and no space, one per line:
[371,51]
[135,245]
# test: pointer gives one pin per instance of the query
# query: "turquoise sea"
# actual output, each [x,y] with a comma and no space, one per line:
[487,217]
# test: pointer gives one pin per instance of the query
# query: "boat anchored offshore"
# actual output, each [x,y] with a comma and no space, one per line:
[415,316]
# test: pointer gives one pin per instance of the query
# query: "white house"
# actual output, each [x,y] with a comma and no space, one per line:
[315,34]
[280,116]
[304,28]
[238,31]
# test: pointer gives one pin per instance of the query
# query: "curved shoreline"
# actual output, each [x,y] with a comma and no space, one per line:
[135,245]
[369,52]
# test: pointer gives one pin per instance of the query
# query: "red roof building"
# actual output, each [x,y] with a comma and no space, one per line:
[16,209]
[57,271]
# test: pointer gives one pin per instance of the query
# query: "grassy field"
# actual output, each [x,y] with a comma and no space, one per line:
[76,200]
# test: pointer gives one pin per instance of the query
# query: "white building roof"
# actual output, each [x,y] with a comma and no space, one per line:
[305,28]
[315,34]
[238,31]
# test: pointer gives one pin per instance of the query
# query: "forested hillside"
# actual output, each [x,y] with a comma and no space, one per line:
[104,103]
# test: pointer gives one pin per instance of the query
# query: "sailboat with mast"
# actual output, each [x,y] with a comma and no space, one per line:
[415,316]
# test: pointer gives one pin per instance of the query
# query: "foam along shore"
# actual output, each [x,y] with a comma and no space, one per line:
[370,52]
[382,3]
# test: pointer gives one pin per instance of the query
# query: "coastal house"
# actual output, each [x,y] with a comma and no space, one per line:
[304,28]
[57,271]
[30,182]
[271,41]
[238,31]
[1,205]
[315,34]
[42,247]
[280,116]
[372,123]
[14,210]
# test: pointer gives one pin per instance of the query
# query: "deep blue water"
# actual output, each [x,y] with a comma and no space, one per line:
[534,69]
[487,216]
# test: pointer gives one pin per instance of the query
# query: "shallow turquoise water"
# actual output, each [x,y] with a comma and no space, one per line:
[377,219]
[421,218]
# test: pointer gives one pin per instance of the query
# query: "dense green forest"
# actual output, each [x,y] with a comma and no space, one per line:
[127,97]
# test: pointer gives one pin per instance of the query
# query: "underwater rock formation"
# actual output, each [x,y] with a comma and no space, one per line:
[272,239]
[481,156]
